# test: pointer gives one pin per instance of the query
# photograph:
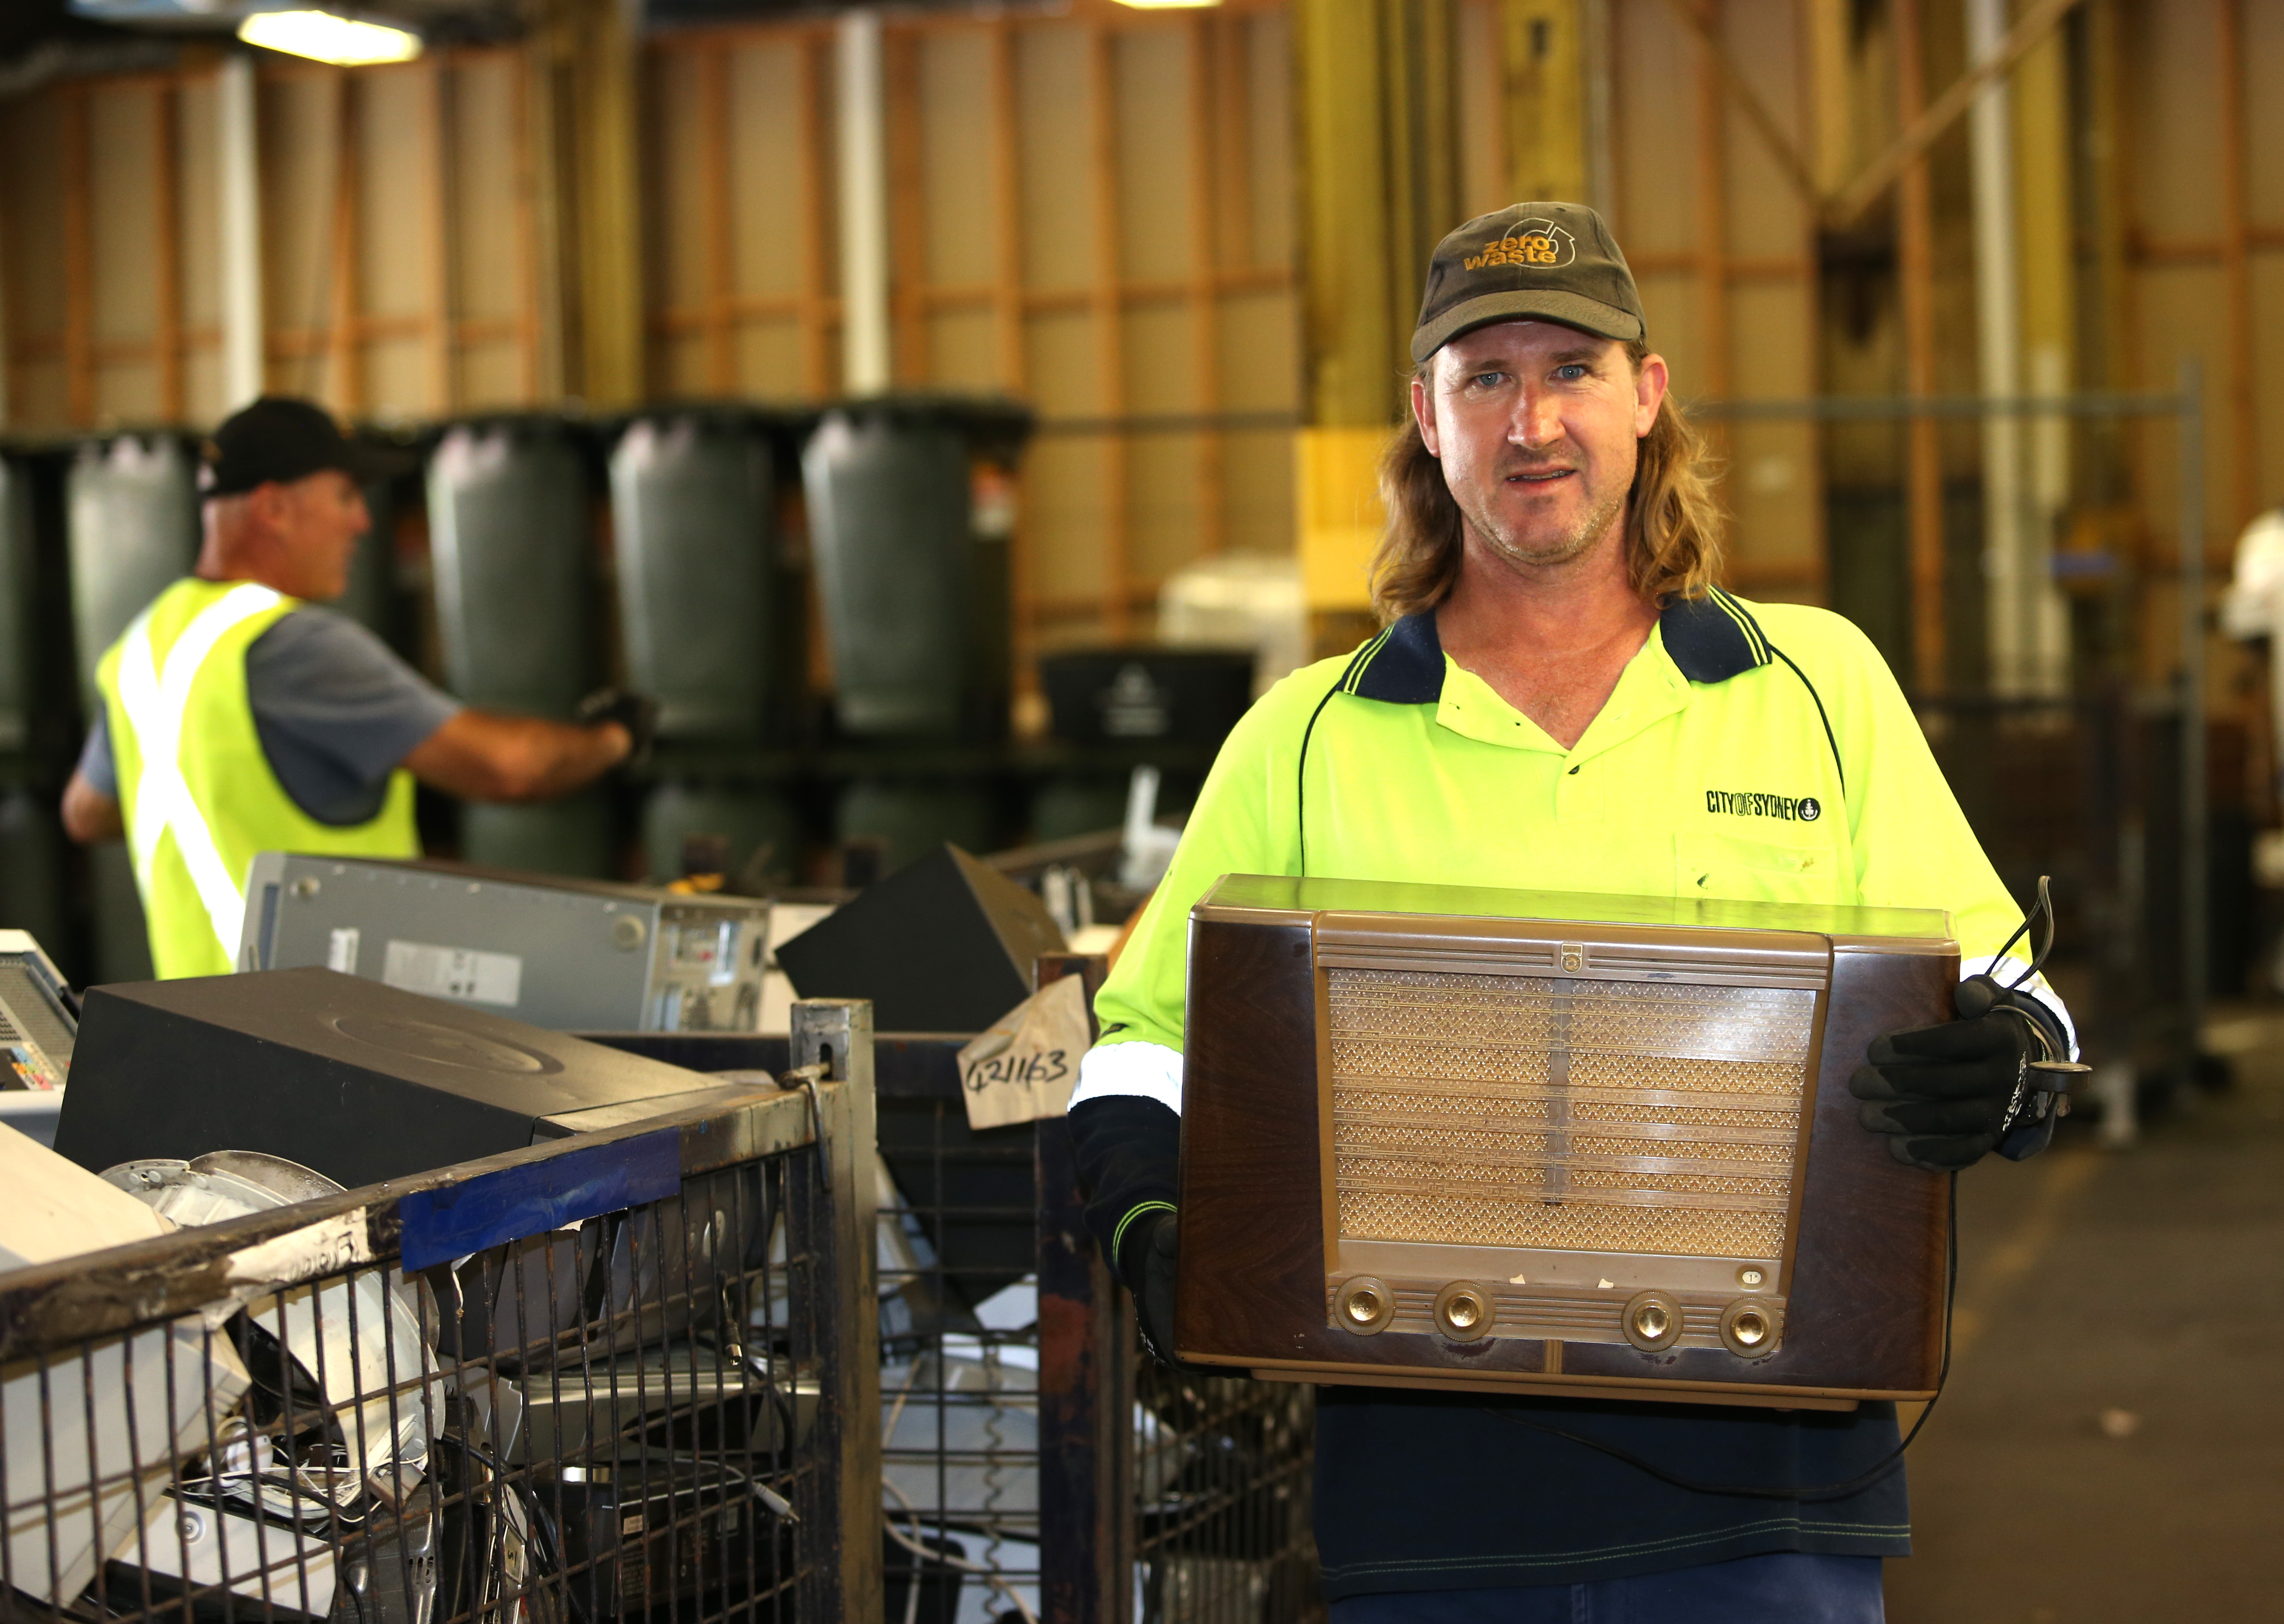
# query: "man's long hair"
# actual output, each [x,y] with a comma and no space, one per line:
[1673,529]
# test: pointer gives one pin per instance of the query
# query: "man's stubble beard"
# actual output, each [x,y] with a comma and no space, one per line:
[1574,544]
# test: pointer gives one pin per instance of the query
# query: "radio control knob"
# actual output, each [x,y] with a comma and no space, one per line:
[1651,1321]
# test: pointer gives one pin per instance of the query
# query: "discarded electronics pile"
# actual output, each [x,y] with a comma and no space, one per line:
[584,1426]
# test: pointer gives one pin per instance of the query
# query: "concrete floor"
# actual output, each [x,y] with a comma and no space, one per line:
[2111,1442]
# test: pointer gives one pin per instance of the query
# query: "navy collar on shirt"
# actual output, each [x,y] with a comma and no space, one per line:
[1709,639]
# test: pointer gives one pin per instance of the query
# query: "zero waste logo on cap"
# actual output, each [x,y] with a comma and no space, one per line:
[1534,245]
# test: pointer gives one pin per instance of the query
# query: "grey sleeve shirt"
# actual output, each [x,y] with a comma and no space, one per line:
[335,709]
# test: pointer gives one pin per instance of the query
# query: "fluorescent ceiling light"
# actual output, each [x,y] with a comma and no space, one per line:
[341,41]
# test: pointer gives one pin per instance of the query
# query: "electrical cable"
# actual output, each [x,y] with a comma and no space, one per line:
[991,1576]
[1822,1491]
[550,1549]
[2044,905]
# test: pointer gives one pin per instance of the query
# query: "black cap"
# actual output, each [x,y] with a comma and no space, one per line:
[283,438]
[1557,262]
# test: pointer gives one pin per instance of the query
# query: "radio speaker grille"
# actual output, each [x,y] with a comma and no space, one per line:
[1573,1115]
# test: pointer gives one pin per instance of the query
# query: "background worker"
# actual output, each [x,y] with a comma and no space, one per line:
[1562,700]
[237,718]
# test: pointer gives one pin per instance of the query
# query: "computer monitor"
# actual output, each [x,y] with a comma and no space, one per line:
[355,1079]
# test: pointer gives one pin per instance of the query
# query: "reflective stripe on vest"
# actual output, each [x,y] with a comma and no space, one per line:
[155,701]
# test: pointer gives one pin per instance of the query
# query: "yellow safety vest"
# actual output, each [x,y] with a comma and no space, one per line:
[200,796]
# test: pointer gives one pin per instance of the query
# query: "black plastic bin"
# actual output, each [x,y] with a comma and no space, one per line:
[1124,696]
[911,508]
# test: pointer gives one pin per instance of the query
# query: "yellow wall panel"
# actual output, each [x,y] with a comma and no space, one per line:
[1063,497]
[300,167]
[1166,509]
[397,164]
[1258,491]
[963,351]
[1161,374]
[2174,118]
[1260,342]
[767,230]
[769,362]
[960,202]
[1063,361]
[490,219]
[676,180]
[1480,73]
[32,197]
[493,376]
[1765,216]
[1155,154]
[1055,136]
[123,213]
[2268,343]
[2263,66]
[1654,210]
[1269,193]
[399,382]
[198,222]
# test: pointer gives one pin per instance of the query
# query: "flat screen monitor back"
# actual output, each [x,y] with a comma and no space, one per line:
[357,1079]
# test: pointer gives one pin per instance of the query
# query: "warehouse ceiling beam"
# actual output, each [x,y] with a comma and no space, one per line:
[1929,125]
[1840,209]
[1701,19]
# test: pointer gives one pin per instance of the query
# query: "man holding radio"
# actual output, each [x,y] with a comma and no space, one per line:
[1562,699]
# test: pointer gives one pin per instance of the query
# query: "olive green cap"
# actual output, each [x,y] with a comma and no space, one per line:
[1556,262]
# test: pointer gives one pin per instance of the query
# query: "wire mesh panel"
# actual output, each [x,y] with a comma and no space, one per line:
[1170,1495]
[960,1379]
[604,1380]
[1034,1464]
[1221,1475]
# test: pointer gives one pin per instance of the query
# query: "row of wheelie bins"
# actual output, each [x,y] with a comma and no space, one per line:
[696,552]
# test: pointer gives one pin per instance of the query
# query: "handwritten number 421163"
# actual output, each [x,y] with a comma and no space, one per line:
[1047,1065]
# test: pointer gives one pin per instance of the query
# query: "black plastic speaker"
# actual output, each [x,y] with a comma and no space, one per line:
[945,945]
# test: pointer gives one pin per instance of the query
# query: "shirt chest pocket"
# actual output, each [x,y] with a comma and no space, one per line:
[1744,869]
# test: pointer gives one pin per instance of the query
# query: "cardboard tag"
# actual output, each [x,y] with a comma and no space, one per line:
[1025,1067]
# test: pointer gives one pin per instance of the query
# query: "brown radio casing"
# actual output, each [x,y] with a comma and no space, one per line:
[1539,1142]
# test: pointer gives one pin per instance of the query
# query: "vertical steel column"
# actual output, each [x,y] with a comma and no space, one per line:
[1086,1386]
[864,330]
[844,1583]
[2009,630]
[239,231]
[2194,947]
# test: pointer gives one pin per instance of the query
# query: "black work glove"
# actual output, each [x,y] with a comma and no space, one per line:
[1155,1256]
[1946,1096]
[637,712]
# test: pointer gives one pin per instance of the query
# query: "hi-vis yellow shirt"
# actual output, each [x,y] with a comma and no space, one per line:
[1758,753]
[196,789]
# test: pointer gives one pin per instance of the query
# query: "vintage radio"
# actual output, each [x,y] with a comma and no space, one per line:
[1441,1137]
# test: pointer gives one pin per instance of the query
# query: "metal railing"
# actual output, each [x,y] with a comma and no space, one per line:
[632,1374]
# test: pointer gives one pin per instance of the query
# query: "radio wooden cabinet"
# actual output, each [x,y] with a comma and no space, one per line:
[1438,1136]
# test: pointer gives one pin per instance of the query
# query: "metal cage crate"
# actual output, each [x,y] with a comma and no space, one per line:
[1035,1464]
[627,1375]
